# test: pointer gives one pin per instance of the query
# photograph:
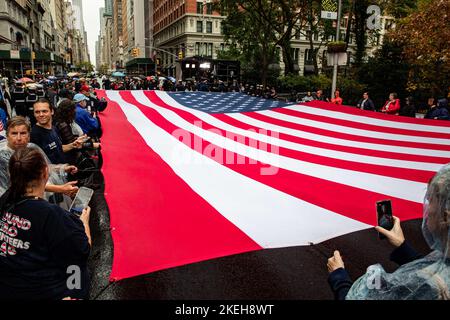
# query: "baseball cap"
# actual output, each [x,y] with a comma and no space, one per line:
[80,97]
[85,88]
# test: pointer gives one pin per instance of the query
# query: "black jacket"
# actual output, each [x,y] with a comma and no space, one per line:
[368,105]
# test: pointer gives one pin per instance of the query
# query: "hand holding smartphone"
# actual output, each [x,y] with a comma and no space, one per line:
[384,215]
[81,201]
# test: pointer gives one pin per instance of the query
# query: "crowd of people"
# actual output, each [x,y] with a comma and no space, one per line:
[204,85]
[52,147]
[49,147]
[437,109]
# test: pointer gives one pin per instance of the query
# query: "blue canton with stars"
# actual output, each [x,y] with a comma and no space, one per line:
[230,102]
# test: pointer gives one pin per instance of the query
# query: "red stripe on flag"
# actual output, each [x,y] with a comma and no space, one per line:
[158,221]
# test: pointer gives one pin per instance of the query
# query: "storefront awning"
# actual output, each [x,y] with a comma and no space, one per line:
[5,40]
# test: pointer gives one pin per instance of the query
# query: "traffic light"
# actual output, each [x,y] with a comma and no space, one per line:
[135,52]
[180,55]
[33,55]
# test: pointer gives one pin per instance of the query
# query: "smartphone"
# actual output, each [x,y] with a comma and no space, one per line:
[81,201]
[384,215]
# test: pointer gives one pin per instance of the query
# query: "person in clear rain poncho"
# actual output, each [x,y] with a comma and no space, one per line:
[417,278]
[18,136]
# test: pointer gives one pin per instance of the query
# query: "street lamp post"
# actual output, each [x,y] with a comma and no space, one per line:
[335,67]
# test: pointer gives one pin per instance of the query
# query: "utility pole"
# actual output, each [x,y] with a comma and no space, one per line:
[335,67]
[32,59]
[203,29]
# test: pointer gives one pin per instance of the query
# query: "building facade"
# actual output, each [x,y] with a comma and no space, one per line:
[81,34]
[169,30]
[186,28]
[29,37]
[57,9]
[77,47]
[117,39]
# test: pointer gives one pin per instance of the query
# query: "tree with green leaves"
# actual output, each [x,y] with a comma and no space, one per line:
[385,72]
[276,22]
[103,69]
[425,37]
[85,66]
[246,29]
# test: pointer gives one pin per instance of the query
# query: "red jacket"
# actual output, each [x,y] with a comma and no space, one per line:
[392,107]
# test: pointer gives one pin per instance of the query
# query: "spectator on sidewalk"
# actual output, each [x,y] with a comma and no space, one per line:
[417,278]
[320,96]
[392,106]
[87,121]
[366,103]
[3,119]
[69,131]
[337,99]
[18,137]
[437,112]
[35,261]
[45,136]
[307,98]
[408,109]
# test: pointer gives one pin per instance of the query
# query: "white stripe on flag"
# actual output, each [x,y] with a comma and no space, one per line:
[403,189]
[246,203]
[398,124]
[207,118]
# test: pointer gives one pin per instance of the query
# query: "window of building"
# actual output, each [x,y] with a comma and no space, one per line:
[295,54]
[197,48]
[309,56]
[200,7]
[209,50]
[316,36]
[208,26]
[199,26]
[209,8]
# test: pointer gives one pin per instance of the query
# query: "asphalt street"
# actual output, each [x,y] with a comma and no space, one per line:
[297,273]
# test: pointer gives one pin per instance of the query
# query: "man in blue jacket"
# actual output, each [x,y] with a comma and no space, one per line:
[88,122]
[437,110]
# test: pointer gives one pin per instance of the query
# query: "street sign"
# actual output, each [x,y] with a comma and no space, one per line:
[329,9]
[341,58]
[15,54]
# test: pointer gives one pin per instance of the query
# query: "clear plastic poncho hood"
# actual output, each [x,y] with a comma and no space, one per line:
[424,279]
[57,175]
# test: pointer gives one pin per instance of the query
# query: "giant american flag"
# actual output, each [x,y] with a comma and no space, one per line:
[192,176]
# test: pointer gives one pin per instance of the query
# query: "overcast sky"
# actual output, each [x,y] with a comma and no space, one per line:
[91,15]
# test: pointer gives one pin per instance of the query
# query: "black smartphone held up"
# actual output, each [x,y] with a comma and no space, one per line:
[81,200]
[384,214]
